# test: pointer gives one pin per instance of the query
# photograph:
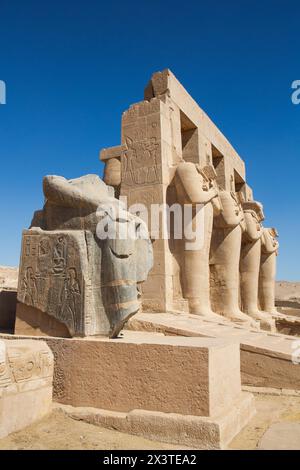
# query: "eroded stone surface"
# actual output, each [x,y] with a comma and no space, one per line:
[26,374]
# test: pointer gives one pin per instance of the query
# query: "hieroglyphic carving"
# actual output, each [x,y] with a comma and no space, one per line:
[70,299]
[5,376]
[59,255]
[51,279]
[24,360]
[29,287]
[69,271]
[140,162]
[26,364]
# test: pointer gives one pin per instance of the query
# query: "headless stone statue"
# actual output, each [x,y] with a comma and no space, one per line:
[225,259]
[269,251]
[250,264]
[193,188]
[86,257]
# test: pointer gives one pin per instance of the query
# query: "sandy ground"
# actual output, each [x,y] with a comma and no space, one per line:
[8,277]
[288,291]
[58,431]
[270,409]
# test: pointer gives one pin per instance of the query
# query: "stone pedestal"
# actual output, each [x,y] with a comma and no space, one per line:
[179,390]
[26,374]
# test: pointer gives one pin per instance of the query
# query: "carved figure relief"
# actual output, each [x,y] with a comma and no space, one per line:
[70,299]
[52,275]
[29,287]
[140,162]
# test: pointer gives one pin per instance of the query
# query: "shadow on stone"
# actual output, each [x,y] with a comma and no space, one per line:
[8,303]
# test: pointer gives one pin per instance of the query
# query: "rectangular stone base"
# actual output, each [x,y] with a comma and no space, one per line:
[267,359]
[192,431]
[182,390]
[26,373]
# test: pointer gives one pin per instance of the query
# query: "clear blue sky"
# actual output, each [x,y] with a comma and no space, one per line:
[72,67]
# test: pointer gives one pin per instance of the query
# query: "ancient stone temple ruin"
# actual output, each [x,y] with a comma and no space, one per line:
[172,153]
[169,249]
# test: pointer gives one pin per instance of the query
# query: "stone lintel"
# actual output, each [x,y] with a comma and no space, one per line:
[165,82]
[112,152]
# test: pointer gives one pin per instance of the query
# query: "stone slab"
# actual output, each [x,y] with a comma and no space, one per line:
[189,376]
[266,358]
[288,324]
[192,431]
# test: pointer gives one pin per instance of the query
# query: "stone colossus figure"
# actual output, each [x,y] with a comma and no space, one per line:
[267,277]
[89,256]
[225,260]
[250,264]
[196,186]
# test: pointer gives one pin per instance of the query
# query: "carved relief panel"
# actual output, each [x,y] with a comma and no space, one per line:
[51,278]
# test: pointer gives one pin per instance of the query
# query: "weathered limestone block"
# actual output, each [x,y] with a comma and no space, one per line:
[163,380]
[72,282]
[55,278]
[26,375]
[267,359]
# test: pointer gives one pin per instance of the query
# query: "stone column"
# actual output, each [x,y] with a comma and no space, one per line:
[149,131]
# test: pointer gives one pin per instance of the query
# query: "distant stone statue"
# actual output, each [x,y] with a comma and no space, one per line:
[269,251]
[197,187]
[250,264]
[83,261]
[225,259]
